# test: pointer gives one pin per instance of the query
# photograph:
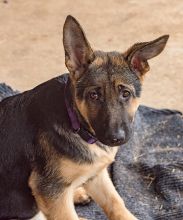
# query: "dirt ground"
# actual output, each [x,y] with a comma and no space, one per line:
[31,48]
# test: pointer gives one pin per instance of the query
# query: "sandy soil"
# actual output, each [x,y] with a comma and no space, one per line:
[31,48]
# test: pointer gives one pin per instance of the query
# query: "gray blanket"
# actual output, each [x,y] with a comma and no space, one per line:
[148,171]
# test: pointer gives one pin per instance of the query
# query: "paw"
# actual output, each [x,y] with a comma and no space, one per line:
[81,197]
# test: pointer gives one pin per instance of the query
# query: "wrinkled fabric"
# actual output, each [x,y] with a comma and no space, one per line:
[148,171]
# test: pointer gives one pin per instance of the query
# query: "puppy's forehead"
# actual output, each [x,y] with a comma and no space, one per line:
[111,66]
[108,58]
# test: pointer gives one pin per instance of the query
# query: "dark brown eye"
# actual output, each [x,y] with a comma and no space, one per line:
[94,95]
[126,94]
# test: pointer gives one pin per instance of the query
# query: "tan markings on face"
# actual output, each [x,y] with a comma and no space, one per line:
[82,107]
[123,83]
[118,79]
[133,106]
[99,61]
[133,102]
[118,61]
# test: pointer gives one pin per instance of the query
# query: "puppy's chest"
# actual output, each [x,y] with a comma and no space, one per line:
[78,173]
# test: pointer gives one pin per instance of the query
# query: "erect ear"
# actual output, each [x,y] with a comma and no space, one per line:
[138,55]
[78,53]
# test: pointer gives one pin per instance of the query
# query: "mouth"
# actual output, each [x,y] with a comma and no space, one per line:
[114,143]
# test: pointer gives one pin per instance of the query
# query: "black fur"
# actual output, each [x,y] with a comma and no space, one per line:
[22,118]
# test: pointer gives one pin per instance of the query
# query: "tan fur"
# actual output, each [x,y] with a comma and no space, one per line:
[81,196]
[118,82]
[61,207]
[99,61]
[102,190]
[117,60]
[43,204]
[134,104]
[84,112]
[80,173]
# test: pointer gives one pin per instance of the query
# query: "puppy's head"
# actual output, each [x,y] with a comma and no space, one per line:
[107,85]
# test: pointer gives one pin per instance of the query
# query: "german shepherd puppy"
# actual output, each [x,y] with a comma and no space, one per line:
[64,133]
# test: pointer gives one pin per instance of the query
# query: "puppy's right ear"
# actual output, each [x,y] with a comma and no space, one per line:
[78,53]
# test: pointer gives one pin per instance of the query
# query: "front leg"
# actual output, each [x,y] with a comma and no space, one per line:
[59,206]
[103,192]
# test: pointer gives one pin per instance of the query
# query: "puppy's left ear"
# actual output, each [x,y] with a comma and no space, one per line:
[78,53]
[138,55]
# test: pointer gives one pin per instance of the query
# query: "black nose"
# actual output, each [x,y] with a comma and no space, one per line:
[118,137]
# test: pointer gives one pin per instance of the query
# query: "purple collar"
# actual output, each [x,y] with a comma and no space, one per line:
[84,134]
